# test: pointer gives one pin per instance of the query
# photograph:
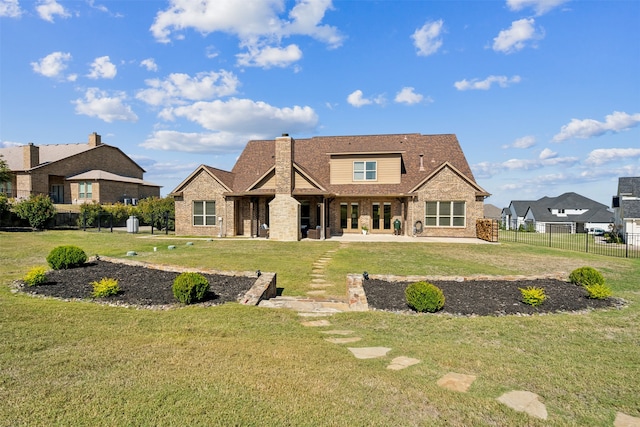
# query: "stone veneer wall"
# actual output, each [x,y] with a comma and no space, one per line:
[284,218]
[201,187]
[447,185]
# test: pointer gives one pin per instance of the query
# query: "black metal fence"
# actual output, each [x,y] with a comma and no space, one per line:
[626,246]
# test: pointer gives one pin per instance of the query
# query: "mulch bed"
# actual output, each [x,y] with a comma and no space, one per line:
[139,286]
[488,297]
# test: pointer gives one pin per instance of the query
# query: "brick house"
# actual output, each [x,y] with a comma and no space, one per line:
[75,173]
[290,189]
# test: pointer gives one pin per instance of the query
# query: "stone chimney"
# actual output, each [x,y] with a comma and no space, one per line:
[30,156]
[284,210]
[284,164]
[94,139]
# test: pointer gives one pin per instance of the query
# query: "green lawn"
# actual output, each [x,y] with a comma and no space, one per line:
[78,363]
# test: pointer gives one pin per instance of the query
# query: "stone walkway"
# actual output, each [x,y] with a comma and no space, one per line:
[315,313]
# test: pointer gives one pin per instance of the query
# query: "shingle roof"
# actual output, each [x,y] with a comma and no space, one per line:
[521,206]
[631,208]
[629,186]
[108,176]
[595,212]
[313,155]
[48,153]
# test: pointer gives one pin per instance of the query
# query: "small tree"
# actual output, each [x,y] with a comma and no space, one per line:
[5,172]
[37,209]
[153,209]
[4,205]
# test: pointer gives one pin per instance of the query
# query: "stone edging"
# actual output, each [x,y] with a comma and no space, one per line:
[263,288]
[358,300]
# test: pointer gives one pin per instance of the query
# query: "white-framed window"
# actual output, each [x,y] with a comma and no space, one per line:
[445,214]
[85,190]
[5,188]
[204,212]
[365,171]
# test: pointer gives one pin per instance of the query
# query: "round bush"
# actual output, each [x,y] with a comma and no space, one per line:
[586,276]
[190,287]
[64,257]
[36,276]
[424,296]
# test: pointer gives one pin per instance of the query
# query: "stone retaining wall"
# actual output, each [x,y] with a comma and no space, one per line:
[358,300]
[263,288]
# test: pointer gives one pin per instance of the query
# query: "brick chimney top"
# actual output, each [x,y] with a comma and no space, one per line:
[94,139]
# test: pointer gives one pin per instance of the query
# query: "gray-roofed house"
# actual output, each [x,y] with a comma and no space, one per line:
[569,212]
[626,205]
[513,215]
[288,189]
[75,173]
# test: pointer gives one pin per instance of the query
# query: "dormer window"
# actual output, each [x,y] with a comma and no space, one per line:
[365,171]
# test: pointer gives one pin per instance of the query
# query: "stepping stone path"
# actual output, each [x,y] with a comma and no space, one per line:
[624,420]
[525,401]
[402,362]
[519,400]
[456,382]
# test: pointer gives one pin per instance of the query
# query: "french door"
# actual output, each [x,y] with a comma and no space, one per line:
[381,216]
[349,216]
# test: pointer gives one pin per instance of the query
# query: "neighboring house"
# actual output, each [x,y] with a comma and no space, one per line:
[288,189]
[75,173]
[513,216]
[569,212]
[626,205]
[492,212]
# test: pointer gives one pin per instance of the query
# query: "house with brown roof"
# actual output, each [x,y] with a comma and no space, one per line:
[75,173]
[286,189]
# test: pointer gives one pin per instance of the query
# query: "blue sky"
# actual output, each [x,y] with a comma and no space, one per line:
[544,95]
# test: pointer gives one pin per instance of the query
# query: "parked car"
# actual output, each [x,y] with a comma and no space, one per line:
[596,231]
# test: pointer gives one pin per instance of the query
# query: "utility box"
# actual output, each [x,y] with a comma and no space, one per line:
[132,224]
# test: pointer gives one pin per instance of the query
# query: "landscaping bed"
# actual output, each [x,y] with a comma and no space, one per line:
[488,297]
[139,286]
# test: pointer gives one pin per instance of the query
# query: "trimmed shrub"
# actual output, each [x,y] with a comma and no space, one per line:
[64,257]
[533,296]
[598,291]
[105,287]
[424,296]
[190,287]
[36,276]
[586,276]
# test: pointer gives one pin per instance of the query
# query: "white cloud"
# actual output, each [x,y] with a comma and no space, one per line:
[97,103]
[408,96]
[547,154]
[53,65]
[47,9]
[357,99]
[588,128]
[427,38]
[257,23]
[475,84]
[10,8]
[102,68]
[606,155]
[516,37]
[194,142]
[547,158]
[268,57]
[524,142]
[179,88]
[540,6]
[149,64]
[244,116]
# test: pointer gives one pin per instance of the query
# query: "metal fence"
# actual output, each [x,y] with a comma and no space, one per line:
[629,247]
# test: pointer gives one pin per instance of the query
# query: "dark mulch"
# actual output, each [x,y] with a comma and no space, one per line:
[488,297]
[139,286]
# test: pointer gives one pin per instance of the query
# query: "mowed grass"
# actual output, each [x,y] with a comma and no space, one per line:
[79,363]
